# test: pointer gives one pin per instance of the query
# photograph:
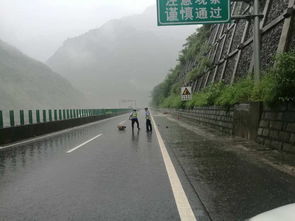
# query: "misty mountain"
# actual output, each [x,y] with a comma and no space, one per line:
[123,59]
[26,83]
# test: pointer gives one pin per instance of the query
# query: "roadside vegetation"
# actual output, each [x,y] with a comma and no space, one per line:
[195,48]
[277,84]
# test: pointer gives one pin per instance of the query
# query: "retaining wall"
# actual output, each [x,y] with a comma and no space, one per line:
[273,127]
[277,127]
[231,45]
[215,117]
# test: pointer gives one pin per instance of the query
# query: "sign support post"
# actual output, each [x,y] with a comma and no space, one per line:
[256,36]
[256,42]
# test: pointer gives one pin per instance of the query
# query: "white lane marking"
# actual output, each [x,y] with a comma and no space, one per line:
[86,142]
[31,140]
[184,209]
[122,122]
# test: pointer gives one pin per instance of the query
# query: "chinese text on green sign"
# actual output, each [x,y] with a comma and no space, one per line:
[185,12]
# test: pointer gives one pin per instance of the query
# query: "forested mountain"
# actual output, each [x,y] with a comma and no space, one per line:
[123,59]
[27,83]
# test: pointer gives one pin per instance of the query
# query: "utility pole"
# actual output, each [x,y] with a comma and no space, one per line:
[256,36]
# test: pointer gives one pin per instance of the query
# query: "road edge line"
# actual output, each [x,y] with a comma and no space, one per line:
[183,206]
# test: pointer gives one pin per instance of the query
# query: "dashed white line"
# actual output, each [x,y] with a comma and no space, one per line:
[81,145]
[184,209]
[31,140]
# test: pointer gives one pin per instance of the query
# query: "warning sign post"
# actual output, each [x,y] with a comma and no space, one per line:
[186,93]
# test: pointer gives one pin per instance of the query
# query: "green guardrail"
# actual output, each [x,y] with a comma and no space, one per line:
[30,113]
[10,119]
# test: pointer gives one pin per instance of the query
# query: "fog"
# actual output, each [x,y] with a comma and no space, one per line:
[94,53]
[47,23]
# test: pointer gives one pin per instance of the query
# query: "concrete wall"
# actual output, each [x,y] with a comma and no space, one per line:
[277,127]
[14,134]
[270,126]
[214,117]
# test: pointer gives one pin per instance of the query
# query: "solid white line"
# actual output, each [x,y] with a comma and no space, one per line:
[81,145]
[184,209]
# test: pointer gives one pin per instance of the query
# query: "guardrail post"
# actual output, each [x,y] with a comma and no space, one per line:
[44,116]
[60,114]
[11,118]
[55,115]
[50,115]
[68,114]
[22,117]
[1,119]
[74,113]
[64,114]
[38,116]
[30,114]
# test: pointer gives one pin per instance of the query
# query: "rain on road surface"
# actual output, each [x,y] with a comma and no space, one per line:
[91,173]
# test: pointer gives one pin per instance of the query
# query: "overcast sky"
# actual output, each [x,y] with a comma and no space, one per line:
[38,27]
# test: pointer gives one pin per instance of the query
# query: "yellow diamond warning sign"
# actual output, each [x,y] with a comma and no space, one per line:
[186,93]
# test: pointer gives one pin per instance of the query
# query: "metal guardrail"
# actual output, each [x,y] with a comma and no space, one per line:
[13,118]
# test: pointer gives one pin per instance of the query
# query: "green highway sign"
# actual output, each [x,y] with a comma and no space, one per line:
[187,12]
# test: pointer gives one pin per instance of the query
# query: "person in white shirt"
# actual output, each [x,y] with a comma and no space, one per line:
[148,120]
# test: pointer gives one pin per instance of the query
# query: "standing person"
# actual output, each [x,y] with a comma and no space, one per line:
[148,120]
[133,117]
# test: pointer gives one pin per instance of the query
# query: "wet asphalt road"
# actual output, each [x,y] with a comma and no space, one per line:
[118,176]
[121,175]
[231,184]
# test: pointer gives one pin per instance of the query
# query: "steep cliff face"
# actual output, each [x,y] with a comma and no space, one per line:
[231,45]
[27,83]
[123,59]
